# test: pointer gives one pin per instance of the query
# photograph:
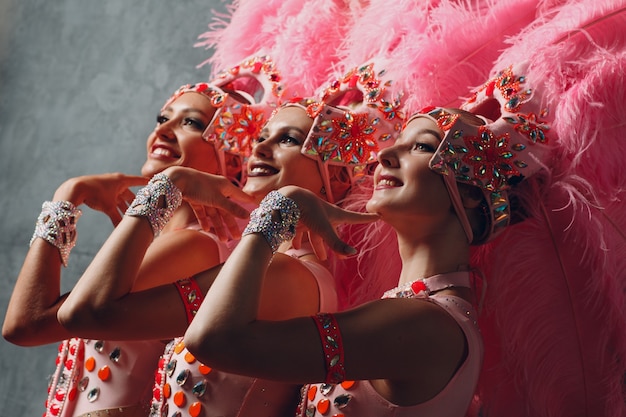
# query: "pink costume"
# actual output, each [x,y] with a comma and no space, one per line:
[358,398]
[186,387]
[97,375]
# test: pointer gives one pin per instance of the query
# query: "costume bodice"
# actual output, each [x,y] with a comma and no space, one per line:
[96,375]
[186,387]
[359,398]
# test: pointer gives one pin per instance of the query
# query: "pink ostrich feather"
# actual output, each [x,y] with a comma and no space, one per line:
[301,37]
[439,49]
[434,51]
[555,322]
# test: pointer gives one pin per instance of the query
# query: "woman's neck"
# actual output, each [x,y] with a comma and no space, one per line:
[436,254]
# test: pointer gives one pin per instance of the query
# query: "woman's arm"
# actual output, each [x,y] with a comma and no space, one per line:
[394,339]
[31,315]
[101,304]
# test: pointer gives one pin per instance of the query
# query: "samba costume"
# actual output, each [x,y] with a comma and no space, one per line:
[561,349]
[359,397]
[98,376]
[183,385]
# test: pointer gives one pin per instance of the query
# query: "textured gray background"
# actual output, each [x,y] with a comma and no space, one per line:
[81,82]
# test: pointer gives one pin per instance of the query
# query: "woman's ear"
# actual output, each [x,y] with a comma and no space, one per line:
[471,196]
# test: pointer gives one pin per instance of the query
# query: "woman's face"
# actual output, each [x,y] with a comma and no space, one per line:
[404,185]
[177,137]
[276,160]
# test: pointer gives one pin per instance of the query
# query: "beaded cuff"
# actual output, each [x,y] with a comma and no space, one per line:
[157,201]
[275,232]
[56,225]
[332,345]
[191,294]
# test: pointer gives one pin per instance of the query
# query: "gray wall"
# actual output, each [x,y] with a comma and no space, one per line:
[81,82]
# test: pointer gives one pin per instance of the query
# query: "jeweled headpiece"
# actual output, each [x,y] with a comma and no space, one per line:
[237,123]
[511,145]
[354,118]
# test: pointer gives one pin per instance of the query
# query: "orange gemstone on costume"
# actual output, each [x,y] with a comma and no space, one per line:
[104,373]
[311,393]
[204,370]
[189,358]
[167,390]
[323,405]
[195,409]
[180,399]
[90,364]
[347,384]
[179,347]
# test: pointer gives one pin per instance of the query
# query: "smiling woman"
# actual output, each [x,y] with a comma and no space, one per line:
[85,368]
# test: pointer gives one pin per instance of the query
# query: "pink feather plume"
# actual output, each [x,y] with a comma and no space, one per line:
[302,38]
[555,322]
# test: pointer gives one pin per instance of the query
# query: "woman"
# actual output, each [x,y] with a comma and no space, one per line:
[418,350]
[293,148]
[104,375]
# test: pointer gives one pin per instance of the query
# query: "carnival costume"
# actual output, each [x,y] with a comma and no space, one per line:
[561,349]
[359,397]
[93,376]
[186,386]
[553,316]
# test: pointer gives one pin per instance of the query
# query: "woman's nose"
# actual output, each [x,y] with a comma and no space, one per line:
[262,148]
[387,157]
[164,130]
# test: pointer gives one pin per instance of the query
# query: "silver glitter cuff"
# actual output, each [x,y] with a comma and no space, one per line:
[56,225]
[157,201]
[274,231]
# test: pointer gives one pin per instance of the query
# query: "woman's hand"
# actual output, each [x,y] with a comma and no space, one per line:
[318,218]
[108,193]
[211,197]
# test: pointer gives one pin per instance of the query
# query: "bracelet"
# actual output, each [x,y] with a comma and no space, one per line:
[191,294]
[274,231]
[56,225]
[157,201]
[332,345]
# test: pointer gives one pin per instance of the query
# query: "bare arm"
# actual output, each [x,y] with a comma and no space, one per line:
[101,304]
[383,340]
[31,315]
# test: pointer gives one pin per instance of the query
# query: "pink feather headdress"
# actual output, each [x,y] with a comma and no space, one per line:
[302,37]
[434,52]
[555,322]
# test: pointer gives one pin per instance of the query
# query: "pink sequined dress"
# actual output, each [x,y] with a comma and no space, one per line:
[98,376]
[186,387]
[358,398]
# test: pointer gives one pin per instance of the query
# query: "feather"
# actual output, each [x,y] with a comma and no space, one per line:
[302,38]
[555,322]
[439,49]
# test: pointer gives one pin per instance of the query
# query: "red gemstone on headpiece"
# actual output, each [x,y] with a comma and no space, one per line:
[257,67]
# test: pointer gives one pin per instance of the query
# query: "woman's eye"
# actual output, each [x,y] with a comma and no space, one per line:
[423,147]
[290,140]
[197,124]
[161,119]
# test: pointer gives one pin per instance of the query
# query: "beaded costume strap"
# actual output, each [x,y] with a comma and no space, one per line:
[332,345]
[191,295]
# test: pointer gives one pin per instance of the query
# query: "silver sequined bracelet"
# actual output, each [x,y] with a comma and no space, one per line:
[157,201]
[56,225]
[274,231]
